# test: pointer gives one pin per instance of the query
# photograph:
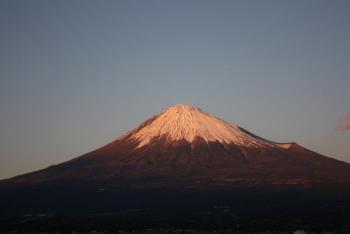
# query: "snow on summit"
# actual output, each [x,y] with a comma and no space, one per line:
[184,122]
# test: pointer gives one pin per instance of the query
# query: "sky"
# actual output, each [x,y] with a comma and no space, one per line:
[74,75]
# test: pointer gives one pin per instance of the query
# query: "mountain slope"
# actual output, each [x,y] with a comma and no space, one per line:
[189,148]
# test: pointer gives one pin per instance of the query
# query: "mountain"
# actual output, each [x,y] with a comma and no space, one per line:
[182,168]
[185,147]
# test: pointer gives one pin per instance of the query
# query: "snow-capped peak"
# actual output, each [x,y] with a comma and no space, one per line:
[184,122]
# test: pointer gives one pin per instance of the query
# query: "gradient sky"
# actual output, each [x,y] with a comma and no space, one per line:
[76,74]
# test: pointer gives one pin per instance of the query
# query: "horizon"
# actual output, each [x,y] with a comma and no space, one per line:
[76,75]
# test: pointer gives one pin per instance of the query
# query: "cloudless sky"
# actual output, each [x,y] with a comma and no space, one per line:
[74,75]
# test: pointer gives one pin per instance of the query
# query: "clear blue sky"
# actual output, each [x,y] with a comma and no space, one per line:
[76,74]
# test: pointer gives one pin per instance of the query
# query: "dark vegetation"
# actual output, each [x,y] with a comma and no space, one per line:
[320,208]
